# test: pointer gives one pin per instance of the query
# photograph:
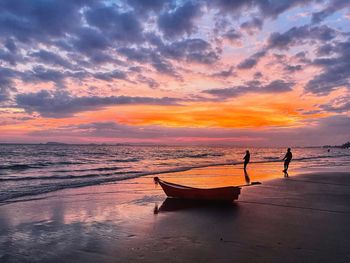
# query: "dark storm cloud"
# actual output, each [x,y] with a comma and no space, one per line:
[276,86]
[179,21]
[60,103]
[251,61]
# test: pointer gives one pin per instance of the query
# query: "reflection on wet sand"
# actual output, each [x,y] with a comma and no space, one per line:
[246,177]
[174,204]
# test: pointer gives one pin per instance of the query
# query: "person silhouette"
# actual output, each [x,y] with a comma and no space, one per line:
[287,158]
[246,159]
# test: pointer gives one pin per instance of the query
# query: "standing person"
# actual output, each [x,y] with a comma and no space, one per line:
[287,158]
[246,159]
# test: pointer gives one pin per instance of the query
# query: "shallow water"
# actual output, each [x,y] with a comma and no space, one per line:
[27,170]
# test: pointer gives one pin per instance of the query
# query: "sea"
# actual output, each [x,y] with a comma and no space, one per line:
[29,170]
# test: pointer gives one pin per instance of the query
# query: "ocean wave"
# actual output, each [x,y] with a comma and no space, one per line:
[202,155]
[38,165]
[65,177]
[270,158]
[129,160]
[100,169]
[71,181]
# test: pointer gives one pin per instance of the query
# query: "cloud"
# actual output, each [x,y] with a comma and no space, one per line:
[192,50]
[266,9]
[276,86]
[51,58]
[233,36]
[120,26]
[109,76]
[299,35]
[60,103]
[252,61]
[88,40]
[225,73]
[149,81]
[335,71]
[39,20]
[332,7]
[6,83]
[163,66]
[143,6]
[150,56]
[292,68]
[42,74]
[177,22]
[338,105]
[252,25]
[9,57]
[10,45]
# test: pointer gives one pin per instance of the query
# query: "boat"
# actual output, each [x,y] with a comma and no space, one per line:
[228,194]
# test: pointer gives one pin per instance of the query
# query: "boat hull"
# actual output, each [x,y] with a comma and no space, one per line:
[229,193]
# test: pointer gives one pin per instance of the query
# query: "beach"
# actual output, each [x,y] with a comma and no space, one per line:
[302,218]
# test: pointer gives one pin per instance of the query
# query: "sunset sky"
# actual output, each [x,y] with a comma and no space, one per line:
[240,72]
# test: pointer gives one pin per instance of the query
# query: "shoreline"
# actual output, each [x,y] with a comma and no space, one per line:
[300,218]
[107,179]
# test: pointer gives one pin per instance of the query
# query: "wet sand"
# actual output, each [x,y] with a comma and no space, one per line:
[302,218]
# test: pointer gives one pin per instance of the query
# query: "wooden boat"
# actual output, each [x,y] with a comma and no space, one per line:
[228,193]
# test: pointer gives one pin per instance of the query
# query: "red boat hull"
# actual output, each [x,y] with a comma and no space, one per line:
[229,193]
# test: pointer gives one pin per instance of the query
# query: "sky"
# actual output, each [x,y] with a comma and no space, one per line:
[235,72]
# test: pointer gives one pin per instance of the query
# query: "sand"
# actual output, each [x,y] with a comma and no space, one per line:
[303,218]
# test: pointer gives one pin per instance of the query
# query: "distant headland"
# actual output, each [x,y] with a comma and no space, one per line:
[343,146]
[55,143]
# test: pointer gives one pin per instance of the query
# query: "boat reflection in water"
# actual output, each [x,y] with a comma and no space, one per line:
[176,204]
